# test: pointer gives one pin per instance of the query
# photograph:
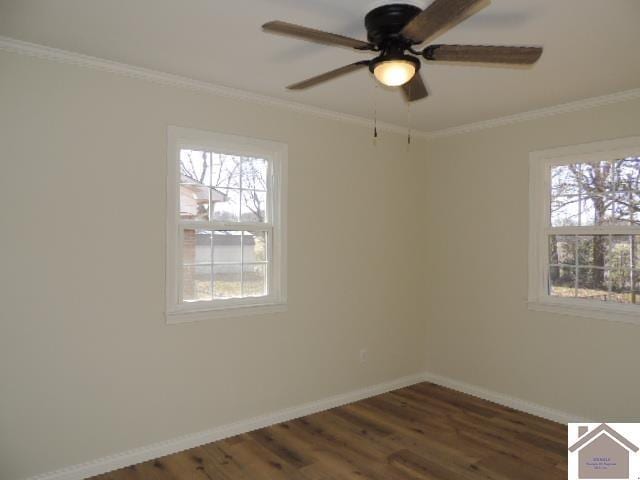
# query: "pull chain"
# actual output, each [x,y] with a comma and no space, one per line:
[409,120]
[375,112]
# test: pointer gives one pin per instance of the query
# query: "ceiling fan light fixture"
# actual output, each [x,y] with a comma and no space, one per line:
[393,30]
[394,71]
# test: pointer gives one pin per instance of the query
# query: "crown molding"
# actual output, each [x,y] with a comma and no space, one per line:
[12,45]
[576,106]
[64,56]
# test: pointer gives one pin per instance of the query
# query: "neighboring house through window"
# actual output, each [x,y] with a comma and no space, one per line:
[226,225]
[585,230]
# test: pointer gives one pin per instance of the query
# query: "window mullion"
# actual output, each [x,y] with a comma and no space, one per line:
[212,274]
[241,263]
[609,282]
[576,282]
[180,262]
[614,175]
[580,201]
[632,273]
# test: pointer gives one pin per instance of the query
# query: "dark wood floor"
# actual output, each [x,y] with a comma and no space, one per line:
[415,433]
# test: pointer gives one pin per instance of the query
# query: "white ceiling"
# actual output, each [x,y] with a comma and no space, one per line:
[591,49]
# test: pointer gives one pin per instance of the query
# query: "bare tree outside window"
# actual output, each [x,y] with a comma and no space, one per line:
[594,265]
[194,166]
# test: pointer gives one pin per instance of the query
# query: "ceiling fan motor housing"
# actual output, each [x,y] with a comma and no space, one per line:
[384,23]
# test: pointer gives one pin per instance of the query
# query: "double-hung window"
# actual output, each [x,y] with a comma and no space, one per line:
[585,230]
[226,225]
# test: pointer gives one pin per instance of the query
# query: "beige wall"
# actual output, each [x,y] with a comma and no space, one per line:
[479,329]
[88,366]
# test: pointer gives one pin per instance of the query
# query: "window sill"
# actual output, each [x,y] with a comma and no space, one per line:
[614,313]
[187,316]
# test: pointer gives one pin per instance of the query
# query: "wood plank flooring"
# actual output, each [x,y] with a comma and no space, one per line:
[422,432]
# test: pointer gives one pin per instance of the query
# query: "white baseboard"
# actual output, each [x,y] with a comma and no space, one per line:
[142,454]
[505,400]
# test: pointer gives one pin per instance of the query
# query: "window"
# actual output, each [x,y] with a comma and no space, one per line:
[585,230]
[225,230]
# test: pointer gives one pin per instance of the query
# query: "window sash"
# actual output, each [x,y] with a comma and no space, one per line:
[576,266]
[227,301]
[545,184]
[272,184]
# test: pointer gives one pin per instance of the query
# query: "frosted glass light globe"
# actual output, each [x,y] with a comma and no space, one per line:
[394,73]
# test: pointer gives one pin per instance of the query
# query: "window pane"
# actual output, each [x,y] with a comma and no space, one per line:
[592,284]
[621,283]
[565,211]
[595,210]
[592,250]
[254,280]
[195,167]
[624,207]
[255,247]
[217,196]
[196,247]
[628,174]
[562,281]
[226,247]
[635,245]
[194,202]
[254,174]
[596,193]
[226,281]
[595,177]
[562,249]
[620,273]
[196,283]
[254,206]
[619,256]
[226,171]
[564,180]
[226,208]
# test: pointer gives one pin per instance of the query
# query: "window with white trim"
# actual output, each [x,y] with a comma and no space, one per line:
[225,228]
[585,230]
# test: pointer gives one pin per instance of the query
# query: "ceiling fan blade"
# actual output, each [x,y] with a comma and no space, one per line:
[313,35]
[440,16]
[483,54]
[415,89]
[310,82]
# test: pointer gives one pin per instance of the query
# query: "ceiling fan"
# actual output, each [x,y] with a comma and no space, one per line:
[393,30]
